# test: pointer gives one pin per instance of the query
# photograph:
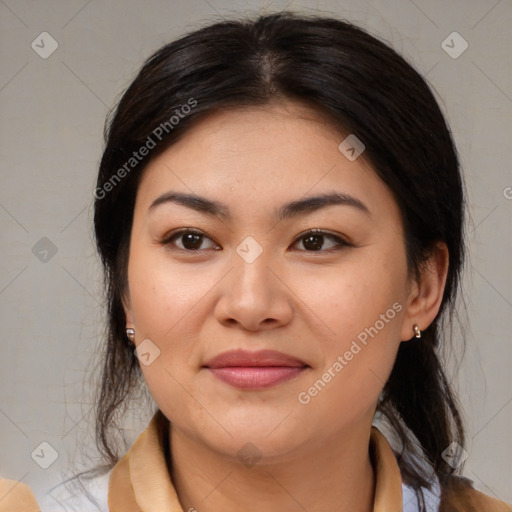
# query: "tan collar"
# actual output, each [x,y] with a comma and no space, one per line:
[140,480]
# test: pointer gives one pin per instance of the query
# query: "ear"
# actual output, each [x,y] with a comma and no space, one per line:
[128,312]
[426,292]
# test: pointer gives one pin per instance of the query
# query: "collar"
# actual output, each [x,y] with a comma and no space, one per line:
[140,481]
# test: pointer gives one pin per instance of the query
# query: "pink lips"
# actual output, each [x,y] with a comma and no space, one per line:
[255,370]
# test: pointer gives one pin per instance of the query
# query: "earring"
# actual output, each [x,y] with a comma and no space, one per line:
[417,332]
[130,334]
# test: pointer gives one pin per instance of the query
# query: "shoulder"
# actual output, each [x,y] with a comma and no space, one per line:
[78,494]
[459,495]
[16,497]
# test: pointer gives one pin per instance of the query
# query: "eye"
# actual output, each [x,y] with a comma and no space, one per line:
[189,240]
[315,241]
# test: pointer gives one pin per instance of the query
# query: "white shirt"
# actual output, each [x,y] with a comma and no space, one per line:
[71,498]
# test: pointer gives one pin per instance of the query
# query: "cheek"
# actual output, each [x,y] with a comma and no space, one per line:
[360,309]
[367,292]
[357,359]
[164,294]
[164,301]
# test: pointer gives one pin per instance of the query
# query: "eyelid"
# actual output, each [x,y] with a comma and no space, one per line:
[320,231]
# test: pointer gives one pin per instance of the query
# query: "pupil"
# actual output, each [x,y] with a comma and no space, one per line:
[192,241]
[313,242]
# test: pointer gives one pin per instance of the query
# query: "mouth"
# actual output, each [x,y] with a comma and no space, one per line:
[255,370]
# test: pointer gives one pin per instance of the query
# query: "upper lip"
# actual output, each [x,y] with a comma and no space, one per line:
[258,358]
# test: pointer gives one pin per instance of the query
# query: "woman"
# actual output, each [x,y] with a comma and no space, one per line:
[279,212]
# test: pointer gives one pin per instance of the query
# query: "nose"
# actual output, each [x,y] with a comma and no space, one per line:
[254,296]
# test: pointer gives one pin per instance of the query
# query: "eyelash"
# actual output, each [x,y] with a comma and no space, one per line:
[168,240]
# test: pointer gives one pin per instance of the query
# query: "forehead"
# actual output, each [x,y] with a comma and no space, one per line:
[255,156]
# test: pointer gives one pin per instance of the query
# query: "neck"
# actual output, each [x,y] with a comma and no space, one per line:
[329,474]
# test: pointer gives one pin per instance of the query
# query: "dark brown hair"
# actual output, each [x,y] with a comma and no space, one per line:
[363,87]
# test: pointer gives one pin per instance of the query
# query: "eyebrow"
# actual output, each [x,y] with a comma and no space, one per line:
[286,211]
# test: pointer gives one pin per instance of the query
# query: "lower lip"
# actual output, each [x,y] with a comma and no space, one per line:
[256,377]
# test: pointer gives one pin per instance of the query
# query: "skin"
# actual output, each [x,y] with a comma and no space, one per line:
[310,304]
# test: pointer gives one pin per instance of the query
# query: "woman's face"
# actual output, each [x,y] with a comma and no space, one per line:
[250,277]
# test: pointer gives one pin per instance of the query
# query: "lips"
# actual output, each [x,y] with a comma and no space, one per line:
[255,370]
[244,358]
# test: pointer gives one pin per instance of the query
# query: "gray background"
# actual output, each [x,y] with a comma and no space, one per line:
[51,124]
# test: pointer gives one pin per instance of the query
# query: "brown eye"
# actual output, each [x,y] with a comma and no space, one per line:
[317,241]
[188,240]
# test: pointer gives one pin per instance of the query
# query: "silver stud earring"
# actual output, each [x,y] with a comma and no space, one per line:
[130,334]
[417,331]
